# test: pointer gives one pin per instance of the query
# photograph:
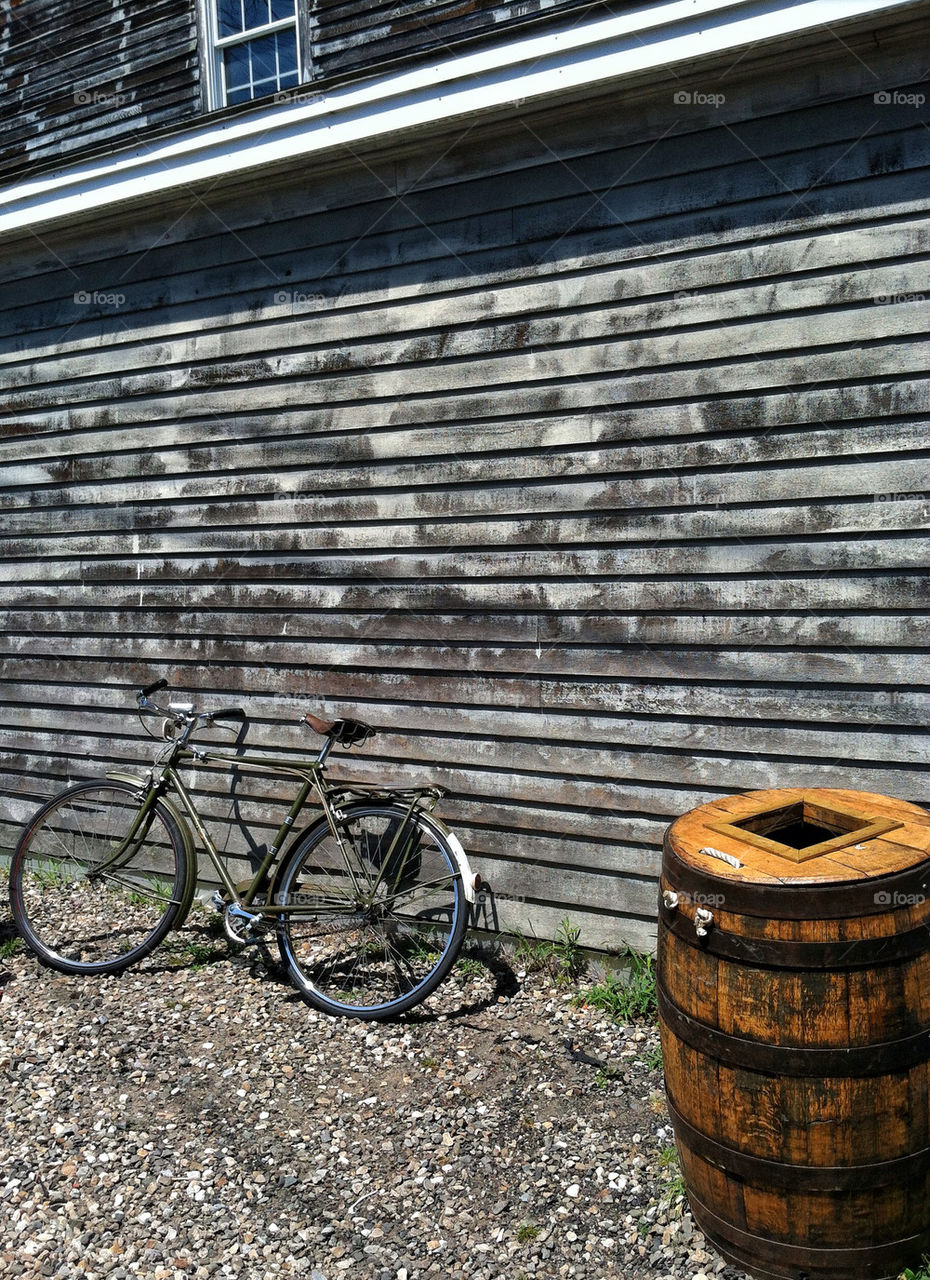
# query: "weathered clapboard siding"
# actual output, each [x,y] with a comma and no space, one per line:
[348,37]
[85,75]
[594,469]
[97,74]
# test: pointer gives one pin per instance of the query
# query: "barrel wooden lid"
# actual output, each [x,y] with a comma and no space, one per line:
[866,836]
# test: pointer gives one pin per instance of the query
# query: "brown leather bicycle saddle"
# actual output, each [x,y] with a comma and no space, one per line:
[347,733]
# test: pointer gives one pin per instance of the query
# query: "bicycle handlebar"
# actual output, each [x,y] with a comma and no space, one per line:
[178,716]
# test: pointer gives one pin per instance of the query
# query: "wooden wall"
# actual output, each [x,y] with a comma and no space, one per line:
[82,74]
[348,37]
[82,77]
[588,463]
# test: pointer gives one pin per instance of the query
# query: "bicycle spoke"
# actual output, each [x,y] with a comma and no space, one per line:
[80,908]
[406,928]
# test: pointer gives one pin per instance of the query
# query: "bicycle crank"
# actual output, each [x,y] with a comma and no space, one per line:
[241,926]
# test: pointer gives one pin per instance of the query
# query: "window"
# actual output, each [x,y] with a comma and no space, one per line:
[255,49]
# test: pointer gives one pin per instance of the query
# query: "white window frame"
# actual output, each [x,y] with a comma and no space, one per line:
[213,69]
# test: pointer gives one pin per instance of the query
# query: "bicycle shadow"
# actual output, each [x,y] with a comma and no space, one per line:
[482,951]
[504,984]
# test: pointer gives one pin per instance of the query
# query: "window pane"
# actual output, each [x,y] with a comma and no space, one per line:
[264,63]
[236,60]
[287,53]
[282,9]
[238,95]
[229,17]
[256,13]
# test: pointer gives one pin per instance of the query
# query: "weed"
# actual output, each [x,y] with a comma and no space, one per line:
[215,925]
[50,875]
[668,1161]
[922,1274]
[418,946]
[10,947]
[562,958]
[194,954]
[466,967]
[204,953]
[531,955]
[626,998]
[569,960]
[527,1231]
[149,891]
[653,1058]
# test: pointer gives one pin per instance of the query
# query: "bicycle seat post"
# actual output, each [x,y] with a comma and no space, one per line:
[324,751]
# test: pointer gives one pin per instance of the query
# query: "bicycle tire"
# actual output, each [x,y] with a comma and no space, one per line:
[371,959]
[79,918]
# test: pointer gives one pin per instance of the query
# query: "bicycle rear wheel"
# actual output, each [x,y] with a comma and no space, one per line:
[372,927]
[86,898]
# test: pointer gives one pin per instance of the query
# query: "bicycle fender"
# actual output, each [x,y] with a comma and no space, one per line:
[116,775]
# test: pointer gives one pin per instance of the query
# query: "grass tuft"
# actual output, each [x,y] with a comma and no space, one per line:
[526,1231]
[563,959]
[627,998]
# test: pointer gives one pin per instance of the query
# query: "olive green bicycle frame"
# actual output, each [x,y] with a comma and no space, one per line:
[311,775]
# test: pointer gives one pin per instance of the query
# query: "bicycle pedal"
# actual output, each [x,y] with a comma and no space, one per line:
[239,925]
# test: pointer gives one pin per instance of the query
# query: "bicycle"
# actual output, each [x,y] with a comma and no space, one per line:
[368,905]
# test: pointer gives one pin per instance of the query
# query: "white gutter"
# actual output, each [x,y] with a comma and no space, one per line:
[527,71]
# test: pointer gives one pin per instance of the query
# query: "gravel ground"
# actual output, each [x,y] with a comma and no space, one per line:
[194,1118]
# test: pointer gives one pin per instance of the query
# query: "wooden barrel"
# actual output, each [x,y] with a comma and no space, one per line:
[794,1003]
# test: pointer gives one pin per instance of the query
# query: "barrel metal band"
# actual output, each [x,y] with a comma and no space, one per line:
[760,1172]
[869,1260]
[832,900]
[885,1058]
[773,953]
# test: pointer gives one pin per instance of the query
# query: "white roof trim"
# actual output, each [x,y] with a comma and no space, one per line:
[531,69]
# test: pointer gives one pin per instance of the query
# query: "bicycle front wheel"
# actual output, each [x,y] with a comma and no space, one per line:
[92,889]
[373,922]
